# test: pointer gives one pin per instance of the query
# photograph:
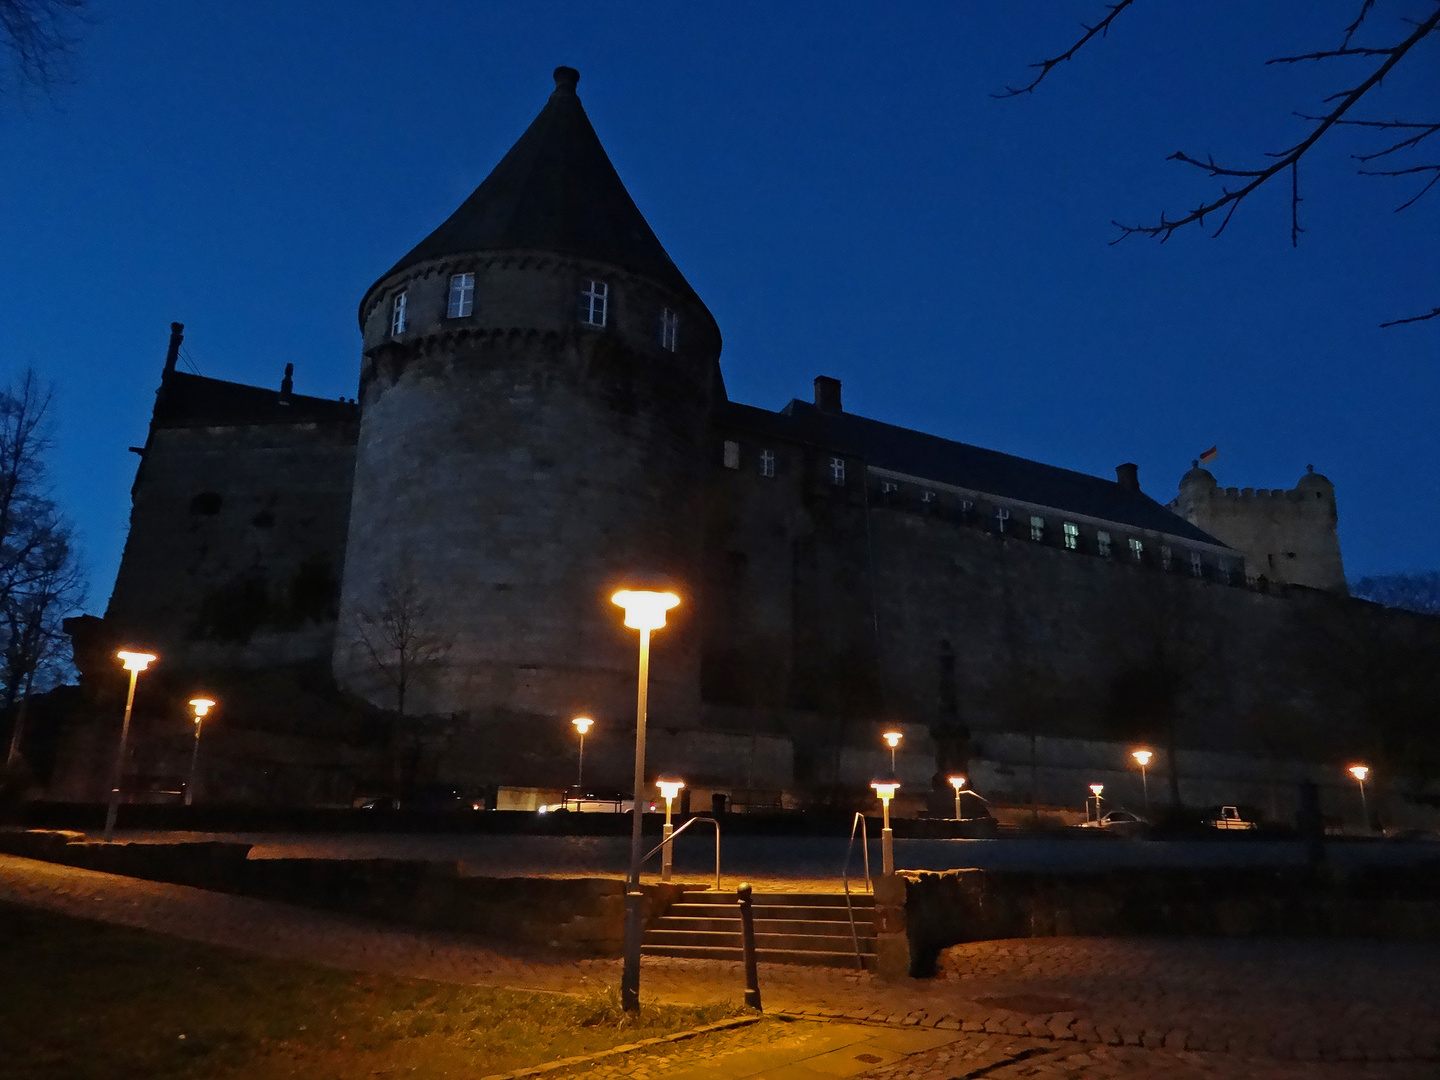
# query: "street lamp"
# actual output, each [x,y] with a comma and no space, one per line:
[134,662]
[1142,757]
[957,782]
[886,790]
[1096,789]
[201,705]
[582,724]
[644,611]
[1360,772]
[893,738]
[668,790]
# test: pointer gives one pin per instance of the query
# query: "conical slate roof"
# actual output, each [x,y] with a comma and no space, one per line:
[555,191]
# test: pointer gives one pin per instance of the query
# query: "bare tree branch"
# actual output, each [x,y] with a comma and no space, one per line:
[40,38]
[1326,54]
[1100,29]
[1413,318]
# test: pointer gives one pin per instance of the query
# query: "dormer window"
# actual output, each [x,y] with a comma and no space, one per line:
[1167,557]
[767,463]
[1137,549]
[462,296]
[397,315]
[1102,542]
[1072,535]
[595,303]
[732,454]
[669,330]
[1037,527]
[1002,516]
[837,471]
[1197,565]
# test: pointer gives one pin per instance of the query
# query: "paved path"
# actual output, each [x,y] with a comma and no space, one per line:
[1095,1007]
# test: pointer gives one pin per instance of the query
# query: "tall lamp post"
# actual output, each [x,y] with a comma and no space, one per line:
[1095,790]
[886,790]
[668,790]
[644,611]
[1360,772]
[135,663]
[957,782]
[1142,758]
[892,738]
[582,724]
[201,705]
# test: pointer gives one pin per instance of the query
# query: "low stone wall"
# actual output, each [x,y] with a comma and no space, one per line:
[586,915]
[944,908]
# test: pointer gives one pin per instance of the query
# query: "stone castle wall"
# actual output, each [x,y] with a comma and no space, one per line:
[236,538]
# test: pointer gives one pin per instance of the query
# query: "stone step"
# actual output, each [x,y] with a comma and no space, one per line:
[839,927]
[764,956]
[685,909]
[811,900]
[763,942]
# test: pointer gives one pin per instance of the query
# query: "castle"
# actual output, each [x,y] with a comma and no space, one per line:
[541,416]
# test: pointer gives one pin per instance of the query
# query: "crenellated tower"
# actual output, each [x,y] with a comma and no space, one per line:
[536,390]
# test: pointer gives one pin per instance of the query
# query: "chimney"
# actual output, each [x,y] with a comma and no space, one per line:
[177,335]
[287,384]
[1128,476]
[827,394]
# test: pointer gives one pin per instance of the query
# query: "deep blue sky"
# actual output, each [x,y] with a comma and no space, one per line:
[833,179]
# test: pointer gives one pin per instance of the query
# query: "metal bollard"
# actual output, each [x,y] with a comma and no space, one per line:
[747,939]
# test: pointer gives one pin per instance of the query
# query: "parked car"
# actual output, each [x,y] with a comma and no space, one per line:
[1230,817]
[593,803]
[1120,823]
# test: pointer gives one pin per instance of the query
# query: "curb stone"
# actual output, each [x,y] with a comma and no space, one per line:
[626,1048]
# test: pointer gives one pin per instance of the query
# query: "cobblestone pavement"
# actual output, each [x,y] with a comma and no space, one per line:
[1097,1007]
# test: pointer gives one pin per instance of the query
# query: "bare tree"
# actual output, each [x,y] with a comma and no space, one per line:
[399,637]
[1394,156]
[39,37]
[40,577]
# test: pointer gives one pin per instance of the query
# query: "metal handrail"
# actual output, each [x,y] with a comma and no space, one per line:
[672,837]
[845,879]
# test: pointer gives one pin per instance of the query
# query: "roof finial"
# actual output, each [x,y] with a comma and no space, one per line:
[1194,463]
[565,80]
[1309,468]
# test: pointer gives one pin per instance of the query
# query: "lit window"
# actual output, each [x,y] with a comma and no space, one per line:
[1072,535]
[1001,517]
[1197,565]
[732,455]
[1137,549]
[837,471]
[462,296]
[1166,557]
[669,330]
[767,463]
[397,315]
[1037,528]
[595,303]
[1102,542]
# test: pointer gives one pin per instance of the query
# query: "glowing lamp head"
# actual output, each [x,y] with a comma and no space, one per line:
[201,705]
[885,789]
[645,610]
[893,738]
[136,661]
[669,788]
[1095,789]
[1142,757]
[583,724]
[1360,772]
[957,782]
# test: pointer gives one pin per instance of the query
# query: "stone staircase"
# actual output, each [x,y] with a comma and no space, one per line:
[790,928]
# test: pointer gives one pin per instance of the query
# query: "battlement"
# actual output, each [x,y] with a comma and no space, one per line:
[1286,535]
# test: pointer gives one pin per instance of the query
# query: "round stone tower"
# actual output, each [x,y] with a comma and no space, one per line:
[535,391]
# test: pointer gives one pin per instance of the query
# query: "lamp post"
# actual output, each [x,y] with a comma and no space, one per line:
[957,782]
[201,705]
[134,662]
[893,739]
[886,790]
[644,611]
[1142,758]
[1360,772]
[668,790]
[582,725]
[1095,790]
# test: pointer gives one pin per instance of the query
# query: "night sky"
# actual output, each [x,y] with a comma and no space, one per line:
[834,179]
